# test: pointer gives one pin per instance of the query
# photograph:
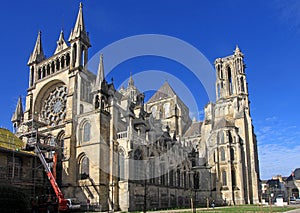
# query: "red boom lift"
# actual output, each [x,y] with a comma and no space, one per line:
[62,202]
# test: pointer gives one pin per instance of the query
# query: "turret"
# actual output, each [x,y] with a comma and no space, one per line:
[79,41]
[61,43]
[100,74]
[35,57]
[38,54]
[17,117]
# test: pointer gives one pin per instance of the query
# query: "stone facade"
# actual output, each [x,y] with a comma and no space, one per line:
[122,153]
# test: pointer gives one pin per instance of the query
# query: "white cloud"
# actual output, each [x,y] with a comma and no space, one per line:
[277,159]
[278,147]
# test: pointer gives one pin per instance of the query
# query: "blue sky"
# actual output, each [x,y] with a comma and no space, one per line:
[267,32]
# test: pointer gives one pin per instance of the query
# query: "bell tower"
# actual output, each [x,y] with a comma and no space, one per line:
[231,80]
[79,42]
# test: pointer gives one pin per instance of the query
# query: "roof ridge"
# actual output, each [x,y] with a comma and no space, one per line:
[165,91]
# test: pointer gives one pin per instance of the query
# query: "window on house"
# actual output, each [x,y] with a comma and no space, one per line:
[14,167]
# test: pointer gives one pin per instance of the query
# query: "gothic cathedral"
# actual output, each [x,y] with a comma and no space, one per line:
[125,154]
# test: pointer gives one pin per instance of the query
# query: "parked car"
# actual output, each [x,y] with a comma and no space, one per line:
[73,204]
[294,200]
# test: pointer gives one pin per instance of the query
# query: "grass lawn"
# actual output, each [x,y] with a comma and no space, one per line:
[237,209]
[247,208]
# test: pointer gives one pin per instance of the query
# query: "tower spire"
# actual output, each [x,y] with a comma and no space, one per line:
[100,74]
[18,114]
[130,82]
[38,54]
[237,51]
[61,43]
[79,29]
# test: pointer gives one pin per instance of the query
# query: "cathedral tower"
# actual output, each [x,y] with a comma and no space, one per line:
[228,134]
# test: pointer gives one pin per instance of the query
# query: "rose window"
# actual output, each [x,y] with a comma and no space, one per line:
[54,108]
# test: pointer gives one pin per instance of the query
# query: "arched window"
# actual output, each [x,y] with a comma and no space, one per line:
[222,153]
[153,110]
[178,178]
[74,55]
[44,72]
[242,84]
[39,73]
[68,59]
[220,72]
[52,67]
[32,76]
[57,65]
[224,178]
[84,167]
[83,53]
[48,69]
[86,132]
[97,102]
[62,62]
[166,110]
[121,165]
[229,76]
[61,143]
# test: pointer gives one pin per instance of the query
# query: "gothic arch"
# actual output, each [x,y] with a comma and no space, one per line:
[229,75]
[83,166]
[84,131]
[68,59]
[44,92]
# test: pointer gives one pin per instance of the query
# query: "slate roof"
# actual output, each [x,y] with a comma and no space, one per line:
[295,175]
[194,129]
[165,91]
